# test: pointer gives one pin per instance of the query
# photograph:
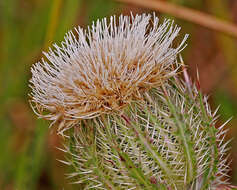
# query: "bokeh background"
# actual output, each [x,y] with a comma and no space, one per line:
[28,153]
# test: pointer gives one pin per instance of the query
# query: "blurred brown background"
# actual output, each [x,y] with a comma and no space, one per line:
[27,27]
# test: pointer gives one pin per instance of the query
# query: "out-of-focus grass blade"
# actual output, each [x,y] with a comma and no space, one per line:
[228,107]
[33,159]
[226,43]
[52,22]
[23,33]
[100,9]
[6,156]
[68,17]
[9,52]
[9,44]
[189,3]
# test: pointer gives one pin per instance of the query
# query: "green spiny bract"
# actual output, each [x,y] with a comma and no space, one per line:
[168,140]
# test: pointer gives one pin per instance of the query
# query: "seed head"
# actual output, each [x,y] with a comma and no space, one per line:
[104,68]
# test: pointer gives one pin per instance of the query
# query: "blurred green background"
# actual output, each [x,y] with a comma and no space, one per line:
[28,154]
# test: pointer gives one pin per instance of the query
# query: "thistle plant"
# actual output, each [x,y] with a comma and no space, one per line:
[116,93]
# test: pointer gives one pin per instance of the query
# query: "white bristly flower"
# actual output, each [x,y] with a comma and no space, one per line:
[134,123]
[104,68]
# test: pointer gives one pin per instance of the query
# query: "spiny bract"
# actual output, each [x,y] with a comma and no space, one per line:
[167,141]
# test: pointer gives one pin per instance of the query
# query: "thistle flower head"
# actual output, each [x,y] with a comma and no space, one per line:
[104,68]
[165,137]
